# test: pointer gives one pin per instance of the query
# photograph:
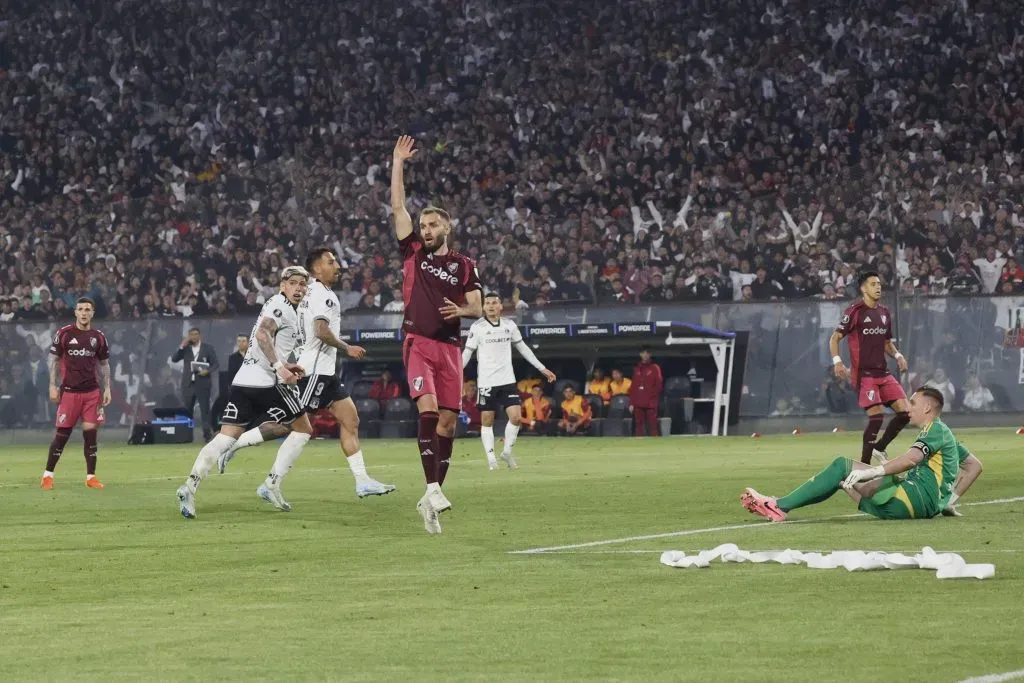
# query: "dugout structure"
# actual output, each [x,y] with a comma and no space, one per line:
[723,350]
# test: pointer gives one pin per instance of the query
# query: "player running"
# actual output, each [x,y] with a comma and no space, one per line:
[79,354]
[867,327]
[492,338]
[931,465]
[264,390]
[439,287]
[320,325]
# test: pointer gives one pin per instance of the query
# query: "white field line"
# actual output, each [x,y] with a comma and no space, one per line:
[645,552]
[728,527]
[996,678]
[231,473]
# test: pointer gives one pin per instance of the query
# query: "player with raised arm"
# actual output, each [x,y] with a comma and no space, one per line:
[931,466]
[867,327]
[79,366]
[264,390]
[492,338]
[439,286]
[320,324]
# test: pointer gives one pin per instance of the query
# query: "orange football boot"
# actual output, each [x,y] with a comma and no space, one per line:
[94,483]
[47,484]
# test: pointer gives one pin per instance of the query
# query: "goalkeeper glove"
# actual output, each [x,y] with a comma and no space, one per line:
[862,475]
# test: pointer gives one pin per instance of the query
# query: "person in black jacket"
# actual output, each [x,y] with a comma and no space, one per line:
[197,371]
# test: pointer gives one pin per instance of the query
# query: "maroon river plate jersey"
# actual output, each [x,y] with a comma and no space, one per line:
[80,353]
[429,279]
[866,330]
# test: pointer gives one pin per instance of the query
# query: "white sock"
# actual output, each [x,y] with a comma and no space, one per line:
[287,454]
[953,499]
[358,467]
[253,437]
[47,473]
[511,434]
[487,436]
[433,487]
[207,458]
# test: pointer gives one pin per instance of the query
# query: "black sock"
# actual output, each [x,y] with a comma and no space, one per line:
[871,430]
[892,430]
[60,439]
[89,436]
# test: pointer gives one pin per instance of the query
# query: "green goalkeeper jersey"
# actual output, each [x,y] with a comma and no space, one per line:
[933,478]
[962,452]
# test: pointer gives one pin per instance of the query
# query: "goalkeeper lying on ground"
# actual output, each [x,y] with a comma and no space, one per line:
[932,466]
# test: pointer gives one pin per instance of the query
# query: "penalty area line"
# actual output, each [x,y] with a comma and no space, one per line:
[712,529]
[996,678]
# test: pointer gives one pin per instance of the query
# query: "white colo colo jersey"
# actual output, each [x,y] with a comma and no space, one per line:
[256,370]
[493,346]
[320,303]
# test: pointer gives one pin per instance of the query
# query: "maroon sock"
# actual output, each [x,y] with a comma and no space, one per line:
[871,430]
[426,435]
[445,445]
[89,437]
[892,430]
[60,439]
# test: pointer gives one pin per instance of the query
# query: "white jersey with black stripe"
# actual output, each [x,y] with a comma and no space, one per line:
[492,344]
[320,303]
[256,370]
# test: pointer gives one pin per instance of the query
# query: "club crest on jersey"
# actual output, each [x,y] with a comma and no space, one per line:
[330,303]
[417,383]
[453,267]
[277,312]
[846,320]
[92,342]
[883,319]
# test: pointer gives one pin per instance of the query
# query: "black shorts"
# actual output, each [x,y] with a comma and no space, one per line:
[320,391]
[494,399]
[253,406]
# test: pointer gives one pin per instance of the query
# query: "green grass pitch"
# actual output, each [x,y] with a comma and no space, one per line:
[115,585]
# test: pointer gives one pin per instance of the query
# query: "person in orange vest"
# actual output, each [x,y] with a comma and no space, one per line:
[537,410]
[576,413]
[645,394]
[599,385]
[619,385]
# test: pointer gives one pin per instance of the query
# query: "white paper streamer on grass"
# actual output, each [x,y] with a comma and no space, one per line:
[945,565]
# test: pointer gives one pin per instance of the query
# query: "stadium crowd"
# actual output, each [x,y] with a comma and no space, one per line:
[167,158]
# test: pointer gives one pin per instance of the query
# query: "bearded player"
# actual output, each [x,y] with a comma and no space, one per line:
[80,357]
[439,287]
[867,327]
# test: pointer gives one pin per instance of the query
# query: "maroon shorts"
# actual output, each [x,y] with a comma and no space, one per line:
[433,367]
[86,406]
[879,390]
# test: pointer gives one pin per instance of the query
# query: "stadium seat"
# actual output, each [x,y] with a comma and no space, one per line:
[369,408]
[596,405]
[399,419]
[677,387]
[619,406]
[369,417]
[361,389]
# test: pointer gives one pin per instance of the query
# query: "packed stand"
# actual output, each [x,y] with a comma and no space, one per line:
[646,151]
